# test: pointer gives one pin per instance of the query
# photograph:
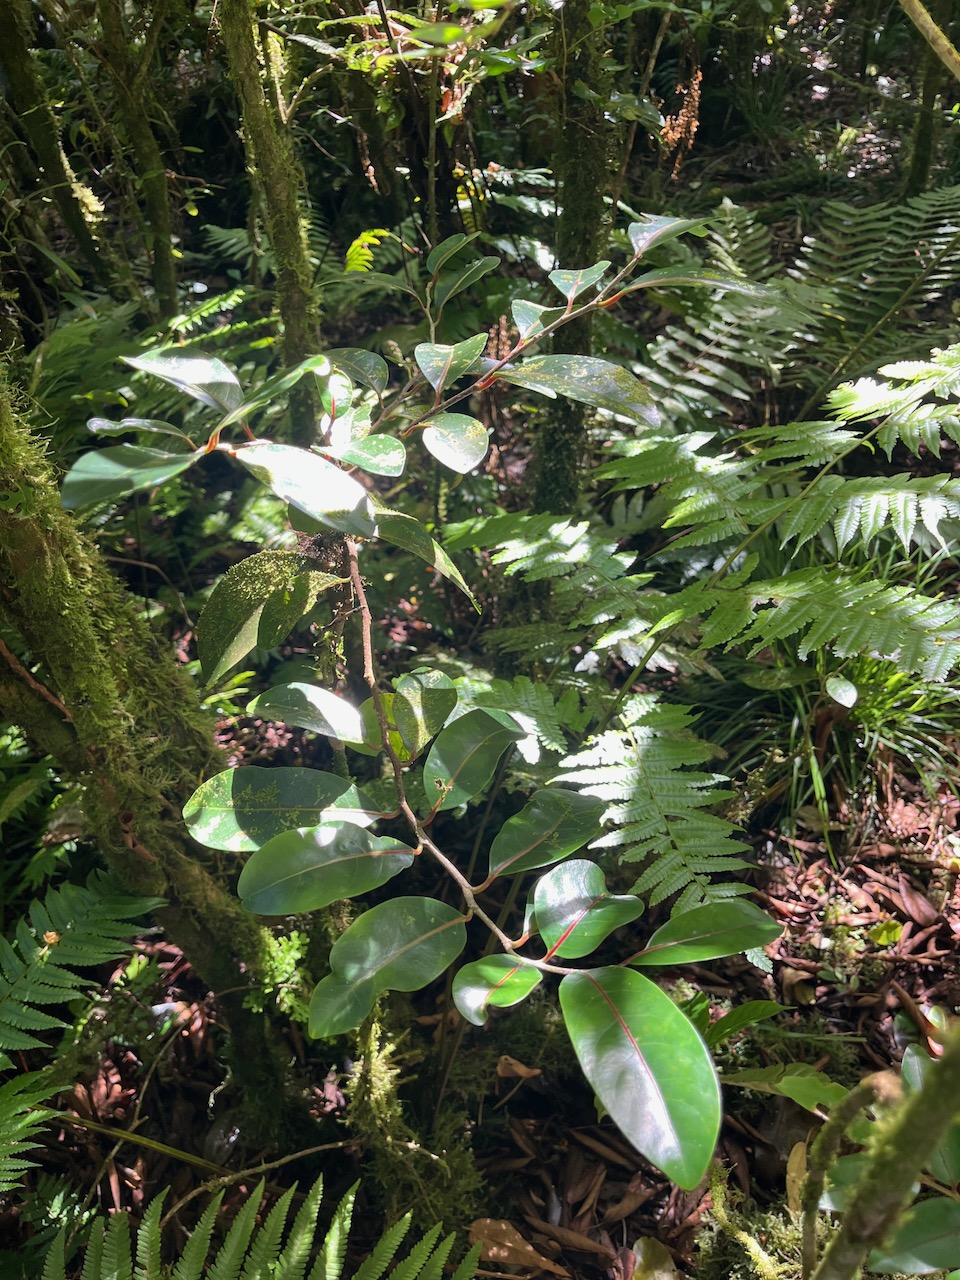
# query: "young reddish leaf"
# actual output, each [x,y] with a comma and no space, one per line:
[552,824]
[462,760]
[498,981]
[718,929]
[309,868]
[574,911]
[647,1065]
[241,809]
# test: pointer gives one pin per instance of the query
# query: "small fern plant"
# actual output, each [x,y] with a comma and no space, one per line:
[249,1252]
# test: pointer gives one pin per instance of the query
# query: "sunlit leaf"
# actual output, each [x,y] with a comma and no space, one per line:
[241,809]
[654,229]
[447,248]
[463,758]
[457,441]
[552,824]
[585,378]
[365,367]
[494,981]
[648,1067]
[312,485]
[572,283]
[421,704]
[442,365]
[531,318]
[400,945]
[306,869]
[574,911]
[409,534]
[381,455]
[307,707]
[275,387]
[104,475]
[717,929]
[672,277]
[841,690]
[256,602]
[206,378]
[148,426]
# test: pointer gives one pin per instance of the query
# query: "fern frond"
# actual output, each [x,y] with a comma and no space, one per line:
[21,1118]
[359,255]
[548,721]
[657,804]
[373,1268]
[413,1264]
[329,1265]
[72,927]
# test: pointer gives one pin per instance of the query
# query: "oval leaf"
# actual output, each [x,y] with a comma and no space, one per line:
[655,229]
[530,317]
[365,367]
[338,1006]
[149,426]
[241,809]
[380,455]
[585,378]
[312,485]
[421,704]
[118,471]
[926,1239]
[916,1069]
[274,387]
[206,378]
[462,760]
[233,622]
[842,690]
[441,365]
[309,868]
[457,441]
[572,283]
[648,1067]
[498,981]
[718,929]
[574,911]
[554,823]
[400,945]
[447,248]
[409,534]
[311,708]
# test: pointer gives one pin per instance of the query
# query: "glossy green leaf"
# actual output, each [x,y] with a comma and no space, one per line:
[647,1065]
[454,282]
[308,707]
[441,34]
[336,393]
[739,1017]
[795,1080]
[462,760]
[442,365]
[587,379]
[104,475]
[372,740]
[654,229]
[148,426]
[206,378]
[409,534]
[312,485]
[842,690]
[495,981]
[400,945]
[457,441]
[421,704]
[927,1238]
[574,911]
[274,387]
[552,824]
[446,249]
[232,622]
[917,1069]
[718,929]
[311,867]
[365,367]
[572,283]
[381,455]
[671,277]
[531,318]
[241,809]
[337,1006]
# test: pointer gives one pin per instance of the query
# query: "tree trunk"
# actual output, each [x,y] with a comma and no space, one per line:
[94,689]
[276,171]
[76,204]
[581,165]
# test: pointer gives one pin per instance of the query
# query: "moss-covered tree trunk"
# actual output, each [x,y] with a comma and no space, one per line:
[276,171]
[76,205]
[129,68]
[83,675]
[582,167]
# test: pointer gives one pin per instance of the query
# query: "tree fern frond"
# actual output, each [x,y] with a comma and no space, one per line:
[656,802]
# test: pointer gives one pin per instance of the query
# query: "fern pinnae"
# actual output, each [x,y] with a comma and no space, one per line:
[373,1267]
[265,1247]
[148,1265]
[117,1263]
[412,1264]
[433,1267]
[468,1267]
[230,1255]
[329,1265]
[292,1263]
[191,1262]
[93,1259]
